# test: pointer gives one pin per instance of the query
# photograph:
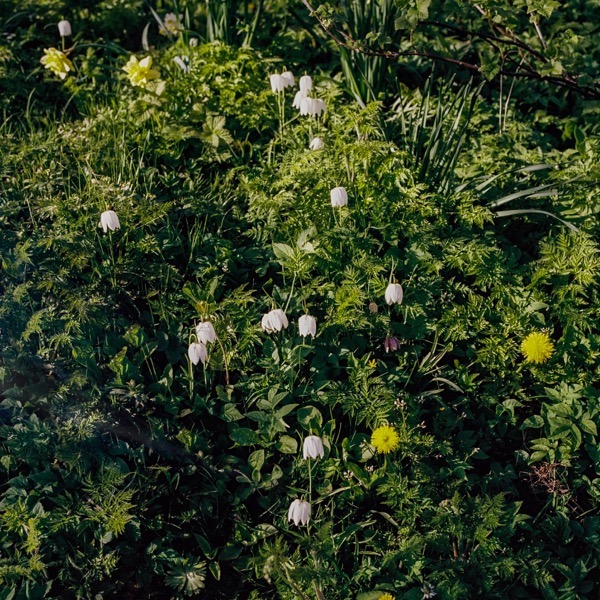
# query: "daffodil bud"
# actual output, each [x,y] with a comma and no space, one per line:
[109,220]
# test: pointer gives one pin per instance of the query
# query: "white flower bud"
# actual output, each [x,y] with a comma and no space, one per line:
[339,196]
[394,294]
[64,28]
[109,220]
[307,325]
[313,447]
[299,512]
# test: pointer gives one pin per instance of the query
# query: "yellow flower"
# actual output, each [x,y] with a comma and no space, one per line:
[537,347]
[57,62]
[140,72]
[385,439]
[386,596]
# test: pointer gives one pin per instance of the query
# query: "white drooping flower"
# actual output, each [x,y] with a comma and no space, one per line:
[339,196]
[274,320]
[205,332]
[298,99]
[197,352]
[288,79]
[319,107]
[307,325]
[64,28]
[305,83]
[277,83]
[109,220]
[394,294]
[299,512]
[316,144]
[313,447]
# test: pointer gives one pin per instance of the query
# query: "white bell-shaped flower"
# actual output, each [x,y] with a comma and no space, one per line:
[109,220]
[205,332]
[274,320]
[64,28]
[313,447]
[307,325]
[197,352]
[298,99]
[394,294]
[339,196]
[319,107]
[306,106]
[305,83]
[316,144]
[277,83]
[288,79]
[299,512]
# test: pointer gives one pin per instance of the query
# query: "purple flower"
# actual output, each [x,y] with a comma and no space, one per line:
[391,343]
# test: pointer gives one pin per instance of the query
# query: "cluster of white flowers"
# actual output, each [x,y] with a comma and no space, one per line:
[205,334]
[280,82]
[302,100]
[276,320]
[299,511]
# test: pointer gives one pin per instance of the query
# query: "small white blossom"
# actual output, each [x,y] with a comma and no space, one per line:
[299,512]
[109,220]
[305,83]
[205,332]
[339,196]
[313,447]
[394,294]
[197,352]
[317,144]
[288,79]
[277,83]
[64,28]
[274,320]
[298,99]
[307,325]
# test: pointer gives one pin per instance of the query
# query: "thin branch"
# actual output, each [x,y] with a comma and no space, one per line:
[524,69]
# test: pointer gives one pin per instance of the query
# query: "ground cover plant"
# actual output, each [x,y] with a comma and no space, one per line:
[299,300]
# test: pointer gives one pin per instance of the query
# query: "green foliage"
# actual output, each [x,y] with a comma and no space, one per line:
[131,467]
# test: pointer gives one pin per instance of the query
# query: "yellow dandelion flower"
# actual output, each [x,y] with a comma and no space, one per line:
[140,72]
[385,439]
[57,62]
[386,596]
[537,347]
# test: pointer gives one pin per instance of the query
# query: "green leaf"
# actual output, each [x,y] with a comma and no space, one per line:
[231,413]
[257,459]
[287,445]
[244,436]
[309,417]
